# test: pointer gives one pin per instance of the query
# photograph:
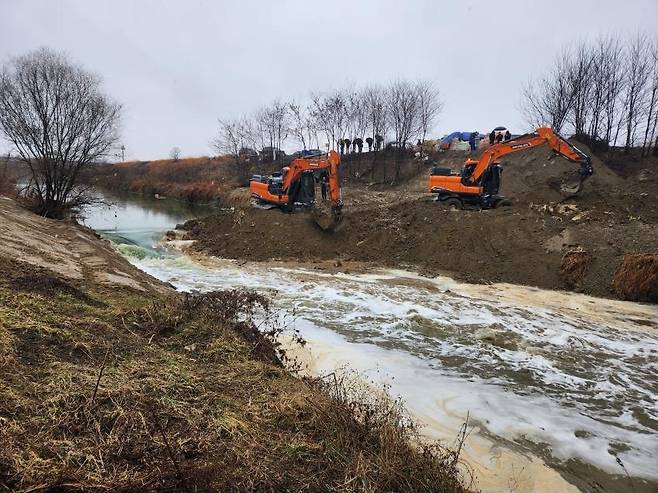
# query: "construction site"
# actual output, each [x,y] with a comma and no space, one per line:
[542,239]
[359,247]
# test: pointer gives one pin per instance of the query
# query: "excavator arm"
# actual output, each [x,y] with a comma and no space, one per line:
[539,137]
[330,164]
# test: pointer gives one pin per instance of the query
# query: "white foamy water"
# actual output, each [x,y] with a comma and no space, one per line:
[553,374]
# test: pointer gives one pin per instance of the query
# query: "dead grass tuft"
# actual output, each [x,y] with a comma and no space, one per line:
[637,278]
[574,267]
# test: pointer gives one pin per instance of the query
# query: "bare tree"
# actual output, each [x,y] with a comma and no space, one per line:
[273,121]
[54,113]
[175,153]
[549,101]
[403,108]
[329,112]
[613,74]
[228,140]
[579,80]
[605,78]
[376,105]
[356,113]
[652,100]
[429,106]
[637,75]
[302,124]
[231,139]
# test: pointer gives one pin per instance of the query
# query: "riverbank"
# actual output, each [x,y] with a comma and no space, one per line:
[111,378]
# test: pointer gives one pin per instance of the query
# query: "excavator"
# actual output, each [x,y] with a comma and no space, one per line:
[479,182]
[294,187]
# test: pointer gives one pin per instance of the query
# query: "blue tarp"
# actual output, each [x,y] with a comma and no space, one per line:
[464,136]
[451,137]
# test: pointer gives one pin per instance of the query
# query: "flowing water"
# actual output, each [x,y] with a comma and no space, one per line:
[553,385]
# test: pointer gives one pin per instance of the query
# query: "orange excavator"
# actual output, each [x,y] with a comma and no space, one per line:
[480,180]
[294,187]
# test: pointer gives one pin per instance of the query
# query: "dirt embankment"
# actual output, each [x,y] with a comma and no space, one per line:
[110,380]
[529,243]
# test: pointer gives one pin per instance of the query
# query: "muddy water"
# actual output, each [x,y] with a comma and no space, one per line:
[556,387]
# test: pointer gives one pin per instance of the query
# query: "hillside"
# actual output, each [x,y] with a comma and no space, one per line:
[112,380]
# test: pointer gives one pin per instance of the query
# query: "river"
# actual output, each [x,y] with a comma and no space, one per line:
[559,389]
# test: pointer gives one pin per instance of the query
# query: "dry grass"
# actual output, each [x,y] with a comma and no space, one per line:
[637,278]
[117,390]
[197,180]
[574,267]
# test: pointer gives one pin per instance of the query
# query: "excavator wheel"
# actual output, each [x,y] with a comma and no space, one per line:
[453,203]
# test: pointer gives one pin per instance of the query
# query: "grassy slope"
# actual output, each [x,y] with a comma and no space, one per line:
[113,388]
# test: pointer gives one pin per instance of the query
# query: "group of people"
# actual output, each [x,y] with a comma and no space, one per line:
[496,137]
[357,144]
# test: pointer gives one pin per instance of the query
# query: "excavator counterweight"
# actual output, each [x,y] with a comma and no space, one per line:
[480,180]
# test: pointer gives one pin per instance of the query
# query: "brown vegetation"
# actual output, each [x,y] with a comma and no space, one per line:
[574,267]
[198,180]
[125,390]
[637,278]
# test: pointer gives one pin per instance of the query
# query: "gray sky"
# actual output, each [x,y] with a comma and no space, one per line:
[177,66]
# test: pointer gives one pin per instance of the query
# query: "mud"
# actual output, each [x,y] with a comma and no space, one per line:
[521,244]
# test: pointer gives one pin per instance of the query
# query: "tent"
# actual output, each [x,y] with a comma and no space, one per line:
[449,138]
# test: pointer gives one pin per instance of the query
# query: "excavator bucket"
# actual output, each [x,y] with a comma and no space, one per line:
[571,187]
[574,184]
[326,217]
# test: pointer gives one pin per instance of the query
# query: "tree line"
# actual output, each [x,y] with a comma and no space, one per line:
[605,90]
[403,109]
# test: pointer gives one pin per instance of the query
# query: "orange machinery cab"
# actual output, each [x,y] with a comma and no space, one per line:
[269,189]
[446,185]
[283,190]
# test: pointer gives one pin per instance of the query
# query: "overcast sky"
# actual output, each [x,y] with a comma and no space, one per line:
[178,65]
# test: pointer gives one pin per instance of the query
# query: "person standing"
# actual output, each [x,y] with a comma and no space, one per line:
[341,145]
[471,141]
[359,144]
[492,138]
[324,185]
[508,135]
[347,143]
[378,142]
[369,141]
